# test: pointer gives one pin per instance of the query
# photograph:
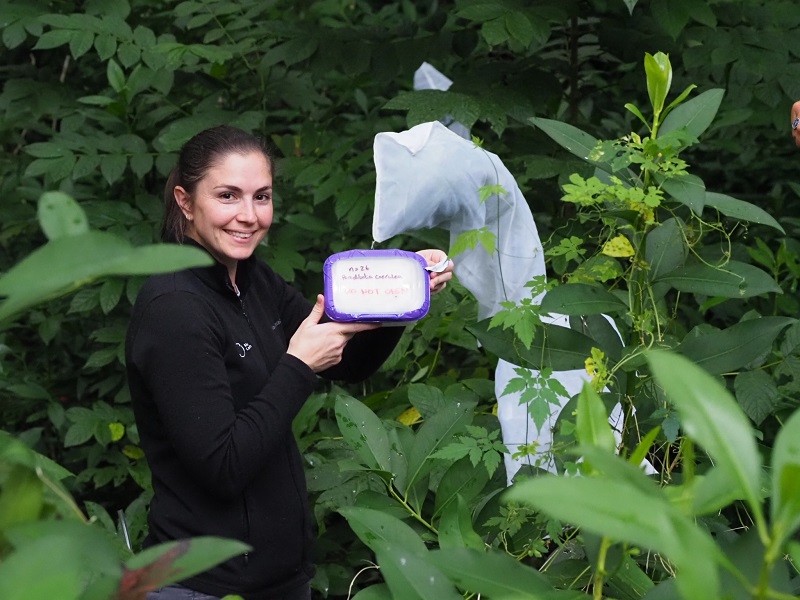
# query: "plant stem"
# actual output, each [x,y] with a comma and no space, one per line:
[597,587]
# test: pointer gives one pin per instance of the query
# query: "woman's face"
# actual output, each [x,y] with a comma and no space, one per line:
[230,211]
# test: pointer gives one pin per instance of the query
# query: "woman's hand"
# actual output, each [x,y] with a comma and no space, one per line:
[438,280]
[320,345]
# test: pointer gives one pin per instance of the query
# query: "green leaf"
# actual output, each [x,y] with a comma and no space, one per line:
[53,39]
[82,553]
[519,26]
[81,43]
[567,136]
[623,512]
[666,248]
[68,262]
[555,347]
[455,527]
[375,526]
[188,557]
[20,497]
[115,76]
[739,209]
[689,190]
[710,416]
[460,480]
[592,427]
[112,166]
[434,434]
[496,575]
[110,293]
[734,280]
[785,501]
[659,79]
[695,115]
[59,215]
[738,345]
[757,393]
[364,432]
[581,299]
[411,576]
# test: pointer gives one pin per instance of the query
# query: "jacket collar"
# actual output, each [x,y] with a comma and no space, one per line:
[216,276]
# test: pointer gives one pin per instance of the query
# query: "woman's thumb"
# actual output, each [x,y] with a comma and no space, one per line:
[316,312]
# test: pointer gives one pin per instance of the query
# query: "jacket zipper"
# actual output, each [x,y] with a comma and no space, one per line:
[246,516]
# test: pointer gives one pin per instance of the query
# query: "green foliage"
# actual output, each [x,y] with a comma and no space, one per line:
[97,98]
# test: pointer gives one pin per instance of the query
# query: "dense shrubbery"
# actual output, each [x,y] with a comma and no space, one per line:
[98,97]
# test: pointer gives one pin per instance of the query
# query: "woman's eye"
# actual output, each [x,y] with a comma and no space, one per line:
[263,198]
[226,196]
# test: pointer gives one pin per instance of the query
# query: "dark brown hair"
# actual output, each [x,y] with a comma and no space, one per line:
[197,156]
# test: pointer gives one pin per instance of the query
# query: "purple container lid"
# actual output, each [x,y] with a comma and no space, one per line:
[376,285]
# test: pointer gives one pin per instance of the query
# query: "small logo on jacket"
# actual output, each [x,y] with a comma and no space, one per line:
[243,348]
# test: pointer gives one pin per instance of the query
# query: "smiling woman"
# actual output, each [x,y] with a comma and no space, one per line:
[230,210]
[220,359]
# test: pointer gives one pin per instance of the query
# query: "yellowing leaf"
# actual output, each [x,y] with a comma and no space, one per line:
[117,431]
[618,247]
[410,416]
[133,452]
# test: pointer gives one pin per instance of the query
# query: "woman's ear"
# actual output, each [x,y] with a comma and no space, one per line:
[184,201]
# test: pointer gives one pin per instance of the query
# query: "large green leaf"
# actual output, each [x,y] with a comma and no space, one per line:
[785,502]
[84,555]
[695,114]
[374,525]
[581,299]
[455,527]
[666,248]
[496,575]
[364,431]
[434,433]
[411,576]
[734,280]
[710,416]
[732,348]
[187,557]
[739,209]
[460,480]
[68,262]
[623,512]
[567,136]
[559,348]
[689,190]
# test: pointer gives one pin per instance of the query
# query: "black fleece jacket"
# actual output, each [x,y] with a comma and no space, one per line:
[214,394]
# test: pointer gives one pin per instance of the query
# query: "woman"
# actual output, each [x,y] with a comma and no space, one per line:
[220,359]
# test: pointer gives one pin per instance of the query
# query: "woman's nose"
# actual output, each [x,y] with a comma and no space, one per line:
[247,211]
